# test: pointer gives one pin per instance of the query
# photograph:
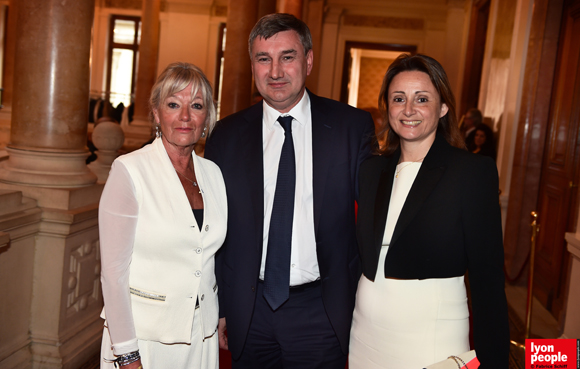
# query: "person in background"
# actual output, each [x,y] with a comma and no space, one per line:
[378,120]
[289,267]
[472,119]
[428,212]
[162,218]
[484,141]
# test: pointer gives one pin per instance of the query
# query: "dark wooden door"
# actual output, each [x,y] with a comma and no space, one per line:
[474,56]
[557,201]
[347,66]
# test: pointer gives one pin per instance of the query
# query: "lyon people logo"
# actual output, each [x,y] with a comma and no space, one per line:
[552,354]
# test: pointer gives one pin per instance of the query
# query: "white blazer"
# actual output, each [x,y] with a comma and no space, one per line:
[171,260]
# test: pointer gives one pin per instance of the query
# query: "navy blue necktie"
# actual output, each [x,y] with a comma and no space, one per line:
[277,273]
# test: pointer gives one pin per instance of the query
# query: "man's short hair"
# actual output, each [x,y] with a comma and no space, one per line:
[271,24]
[475,115]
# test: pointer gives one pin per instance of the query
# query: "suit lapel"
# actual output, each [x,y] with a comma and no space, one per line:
[429,175]
[383,197]
[254,167]
[321,153]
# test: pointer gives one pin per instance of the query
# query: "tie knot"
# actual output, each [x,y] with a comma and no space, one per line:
[286,122]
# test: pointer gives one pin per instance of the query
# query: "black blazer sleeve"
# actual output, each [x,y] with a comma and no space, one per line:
[482,232]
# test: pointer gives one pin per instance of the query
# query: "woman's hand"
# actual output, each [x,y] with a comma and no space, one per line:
[222,334]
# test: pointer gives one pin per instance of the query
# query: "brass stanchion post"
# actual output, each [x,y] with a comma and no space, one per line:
[530,297]
[535,230]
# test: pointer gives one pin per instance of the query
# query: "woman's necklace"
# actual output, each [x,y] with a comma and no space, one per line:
[406,165]
[183,175]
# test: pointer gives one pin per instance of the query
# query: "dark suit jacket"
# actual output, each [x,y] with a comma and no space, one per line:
[340,139]
[470,140]
[450,223]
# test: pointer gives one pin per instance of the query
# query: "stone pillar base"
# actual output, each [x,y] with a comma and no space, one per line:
[70,354]
[18,360]
[136,134]
[5,119]
[50,168]
[65,327]
[19,224]
[102,166]
[59,326]
[59,198]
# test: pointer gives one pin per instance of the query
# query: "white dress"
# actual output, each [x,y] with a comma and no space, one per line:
[157,262]
[406,324]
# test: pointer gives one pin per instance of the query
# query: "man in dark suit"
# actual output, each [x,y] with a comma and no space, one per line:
[288,270]
[472,119]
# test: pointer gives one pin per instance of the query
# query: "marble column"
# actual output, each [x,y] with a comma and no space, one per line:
[148,51]
[8,74]
[50,95]
[46,176]
[315,20]
[266,7]
[9,50]
[237,76]
[139,130]
[328,85]
[293,7]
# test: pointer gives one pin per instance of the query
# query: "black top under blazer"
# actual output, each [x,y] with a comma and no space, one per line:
[341,138]
[450,223]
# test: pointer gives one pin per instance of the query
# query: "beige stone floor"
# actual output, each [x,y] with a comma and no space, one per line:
[543,324]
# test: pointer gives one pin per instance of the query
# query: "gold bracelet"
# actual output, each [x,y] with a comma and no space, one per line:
[457,359]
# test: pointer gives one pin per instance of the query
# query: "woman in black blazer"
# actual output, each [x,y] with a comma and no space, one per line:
[428,212]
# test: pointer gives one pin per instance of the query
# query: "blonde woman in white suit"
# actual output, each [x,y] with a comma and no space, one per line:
[162,218]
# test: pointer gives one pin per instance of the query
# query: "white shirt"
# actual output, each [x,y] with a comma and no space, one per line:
[469,131]
[402,184]
[304,263]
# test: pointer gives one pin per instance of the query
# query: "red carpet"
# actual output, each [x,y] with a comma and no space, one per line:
[225,360]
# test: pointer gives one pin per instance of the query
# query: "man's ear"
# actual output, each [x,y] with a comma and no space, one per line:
[309,61]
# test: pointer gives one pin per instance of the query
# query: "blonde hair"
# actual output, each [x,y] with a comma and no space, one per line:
[175,78]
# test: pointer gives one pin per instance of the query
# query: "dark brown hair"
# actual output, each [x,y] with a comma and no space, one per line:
[475,114]
[447,125]
[271,24]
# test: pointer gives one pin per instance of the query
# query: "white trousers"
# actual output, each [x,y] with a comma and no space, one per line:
[202,354]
